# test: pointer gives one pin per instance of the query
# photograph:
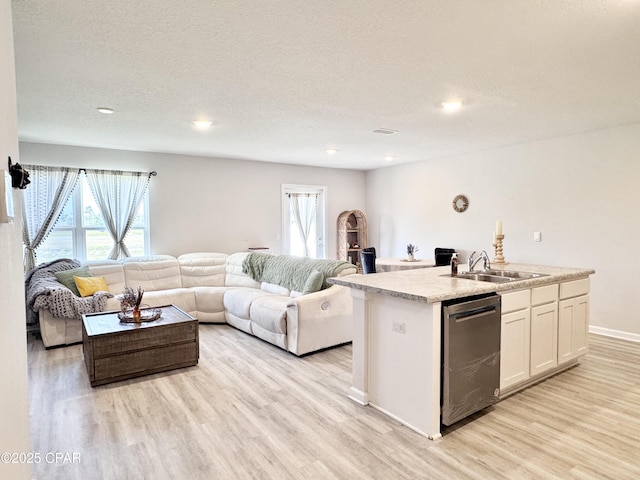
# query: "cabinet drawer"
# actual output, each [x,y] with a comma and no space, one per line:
[513,301]
[143,362]
[574,288]
[142,338]
[542,295]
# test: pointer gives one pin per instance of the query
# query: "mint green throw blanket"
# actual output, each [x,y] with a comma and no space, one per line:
[289,271]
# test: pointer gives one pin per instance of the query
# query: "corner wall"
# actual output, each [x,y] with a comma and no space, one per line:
[14,406]
[581,192]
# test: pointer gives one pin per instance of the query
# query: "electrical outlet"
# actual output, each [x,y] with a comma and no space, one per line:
[537,236]
[397,327]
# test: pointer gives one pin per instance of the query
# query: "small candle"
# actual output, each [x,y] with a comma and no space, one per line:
[499,227]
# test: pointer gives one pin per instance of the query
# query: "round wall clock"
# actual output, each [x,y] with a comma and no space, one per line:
[460,203]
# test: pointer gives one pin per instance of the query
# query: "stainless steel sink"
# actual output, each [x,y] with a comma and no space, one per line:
[499,276]
[483,277]
[515,275]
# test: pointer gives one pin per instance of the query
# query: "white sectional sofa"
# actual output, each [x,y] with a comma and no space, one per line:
[213,288]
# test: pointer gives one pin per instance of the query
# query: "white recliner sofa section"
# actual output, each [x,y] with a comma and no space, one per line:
[213,288]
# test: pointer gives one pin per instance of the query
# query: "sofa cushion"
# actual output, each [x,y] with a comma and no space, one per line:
[203,269]
[112,304]
[270,313]
[183,298]
[113,273]
[65,277]
[210,303]
[348,271]
[278,339]
[237,301]
[87,286]
[154,272]
[276,289]
[235,277]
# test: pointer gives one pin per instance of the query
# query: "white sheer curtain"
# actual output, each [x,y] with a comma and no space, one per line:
[303,207]
[42,203]
[118,195]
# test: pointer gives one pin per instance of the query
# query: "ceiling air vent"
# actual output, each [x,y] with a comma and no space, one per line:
[385,131]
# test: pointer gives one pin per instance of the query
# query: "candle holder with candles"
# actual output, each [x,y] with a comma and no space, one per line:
[497,244]
[498,237]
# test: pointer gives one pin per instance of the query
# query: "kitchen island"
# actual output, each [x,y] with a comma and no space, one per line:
[398,334]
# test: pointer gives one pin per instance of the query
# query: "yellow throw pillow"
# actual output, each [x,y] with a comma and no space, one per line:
[66,278]
[87,286]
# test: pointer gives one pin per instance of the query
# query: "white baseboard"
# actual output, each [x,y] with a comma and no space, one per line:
[433,436]
[608,332]
[358,396]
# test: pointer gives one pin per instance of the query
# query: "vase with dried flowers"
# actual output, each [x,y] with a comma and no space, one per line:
[131,300]
[411,250]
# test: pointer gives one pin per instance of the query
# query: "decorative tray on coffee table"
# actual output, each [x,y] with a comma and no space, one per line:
[146,315]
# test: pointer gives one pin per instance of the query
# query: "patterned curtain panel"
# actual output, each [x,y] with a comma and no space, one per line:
[42,204]
[303,206]
[118,195]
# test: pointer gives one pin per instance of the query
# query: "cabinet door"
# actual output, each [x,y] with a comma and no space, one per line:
[580,333]
[573,325]
[544,338]
[514,348]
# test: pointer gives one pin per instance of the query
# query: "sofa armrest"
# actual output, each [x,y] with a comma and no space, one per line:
[319,320]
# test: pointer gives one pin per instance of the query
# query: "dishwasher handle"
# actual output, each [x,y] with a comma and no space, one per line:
[472,306]
[473,314]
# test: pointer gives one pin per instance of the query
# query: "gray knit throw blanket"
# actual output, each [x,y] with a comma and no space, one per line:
[43,291]
[290,271]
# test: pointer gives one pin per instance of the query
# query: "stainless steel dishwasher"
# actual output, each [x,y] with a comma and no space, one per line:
[470,356]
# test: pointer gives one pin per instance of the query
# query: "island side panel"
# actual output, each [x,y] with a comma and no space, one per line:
[404,361]
[359,391]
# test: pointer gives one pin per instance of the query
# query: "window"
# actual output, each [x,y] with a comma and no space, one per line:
[303,213]
[80,231]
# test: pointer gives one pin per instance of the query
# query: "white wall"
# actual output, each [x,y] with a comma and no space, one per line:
[207,204]
[14,407]
[582,192]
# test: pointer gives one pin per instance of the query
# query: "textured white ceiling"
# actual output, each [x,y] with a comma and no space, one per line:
[283,80]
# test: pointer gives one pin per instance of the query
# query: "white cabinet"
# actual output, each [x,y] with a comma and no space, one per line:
[544,338]
[573,319]
[514,348]
[573,325]
[514,338]
[544,329]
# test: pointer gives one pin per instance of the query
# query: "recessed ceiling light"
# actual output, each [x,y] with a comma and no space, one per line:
[332,151]
[451,106]
[389,158]
[106,110]
[202,124]
[385,131]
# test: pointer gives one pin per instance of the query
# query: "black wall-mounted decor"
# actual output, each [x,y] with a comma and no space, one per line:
[19,176]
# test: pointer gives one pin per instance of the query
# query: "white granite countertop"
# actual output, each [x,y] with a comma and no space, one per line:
[433,285]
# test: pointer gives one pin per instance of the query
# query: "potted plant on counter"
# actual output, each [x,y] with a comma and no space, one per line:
[411,250]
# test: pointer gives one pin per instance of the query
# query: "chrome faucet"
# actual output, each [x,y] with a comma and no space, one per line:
[483,256]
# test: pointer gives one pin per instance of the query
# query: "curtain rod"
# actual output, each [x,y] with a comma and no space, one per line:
[151,174]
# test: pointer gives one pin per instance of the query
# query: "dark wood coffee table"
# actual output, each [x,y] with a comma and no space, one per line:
[115,351]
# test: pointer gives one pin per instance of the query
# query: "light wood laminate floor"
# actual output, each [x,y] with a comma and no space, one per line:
[252,411]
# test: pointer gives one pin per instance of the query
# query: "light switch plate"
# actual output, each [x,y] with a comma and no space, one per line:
[537,236]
